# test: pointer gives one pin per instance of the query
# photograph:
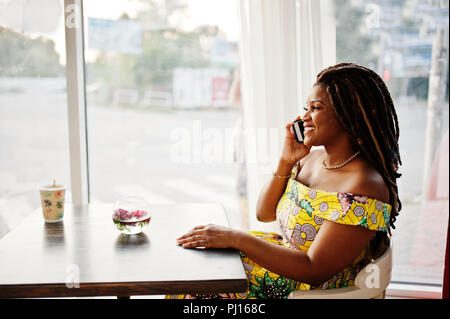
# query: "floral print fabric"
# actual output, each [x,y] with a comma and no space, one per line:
[300,214]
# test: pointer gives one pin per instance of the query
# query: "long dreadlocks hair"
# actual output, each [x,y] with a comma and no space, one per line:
[363,104]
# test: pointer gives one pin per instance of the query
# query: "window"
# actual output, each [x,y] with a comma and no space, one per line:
[395,38]
[158,76]
[33,106]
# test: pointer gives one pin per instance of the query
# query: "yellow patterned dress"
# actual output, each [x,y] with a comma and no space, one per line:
[300,214]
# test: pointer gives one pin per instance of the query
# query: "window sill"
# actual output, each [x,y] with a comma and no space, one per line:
[418,291]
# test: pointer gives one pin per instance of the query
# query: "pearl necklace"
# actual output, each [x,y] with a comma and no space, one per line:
[342,164]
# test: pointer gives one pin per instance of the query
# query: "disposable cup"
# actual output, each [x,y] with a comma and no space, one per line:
[52,202]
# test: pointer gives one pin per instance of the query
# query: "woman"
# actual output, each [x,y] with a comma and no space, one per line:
[334,205]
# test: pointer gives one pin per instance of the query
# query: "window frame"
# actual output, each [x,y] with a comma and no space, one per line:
[76,101]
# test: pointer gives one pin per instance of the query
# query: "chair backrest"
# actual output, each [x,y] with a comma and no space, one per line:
[377,274]
[371,281]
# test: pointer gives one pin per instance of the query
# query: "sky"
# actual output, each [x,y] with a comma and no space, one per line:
[20,15]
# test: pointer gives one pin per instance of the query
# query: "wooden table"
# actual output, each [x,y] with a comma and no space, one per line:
[38,259]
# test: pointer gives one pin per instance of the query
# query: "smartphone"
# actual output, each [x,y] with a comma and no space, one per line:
[299,131]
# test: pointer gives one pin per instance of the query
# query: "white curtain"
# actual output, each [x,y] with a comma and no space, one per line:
[283,45]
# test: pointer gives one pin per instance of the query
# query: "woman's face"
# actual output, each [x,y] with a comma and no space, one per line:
[321,124]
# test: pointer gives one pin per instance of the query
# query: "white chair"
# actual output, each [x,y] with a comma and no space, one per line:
[370,283]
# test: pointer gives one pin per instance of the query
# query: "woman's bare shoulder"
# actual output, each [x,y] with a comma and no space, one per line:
[368,181]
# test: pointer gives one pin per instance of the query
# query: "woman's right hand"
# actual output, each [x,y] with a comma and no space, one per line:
[293,151]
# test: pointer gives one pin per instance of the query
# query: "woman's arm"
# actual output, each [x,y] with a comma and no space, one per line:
[271,193]
[334,247]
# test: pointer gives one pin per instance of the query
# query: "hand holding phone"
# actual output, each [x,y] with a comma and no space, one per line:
[294,148]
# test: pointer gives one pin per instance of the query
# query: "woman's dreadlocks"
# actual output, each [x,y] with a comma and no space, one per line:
[363,104]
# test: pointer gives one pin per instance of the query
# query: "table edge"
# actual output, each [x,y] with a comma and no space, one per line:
[124,289]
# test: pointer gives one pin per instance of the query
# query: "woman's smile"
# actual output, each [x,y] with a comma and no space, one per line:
[309,129]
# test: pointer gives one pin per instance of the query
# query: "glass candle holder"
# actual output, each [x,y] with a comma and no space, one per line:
[131,215]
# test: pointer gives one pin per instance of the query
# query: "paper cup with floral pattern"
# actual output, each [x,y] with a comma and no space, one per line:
[52,201]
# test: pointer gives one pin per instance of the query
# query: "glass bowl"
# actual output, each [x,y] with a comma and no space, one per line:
[131,215]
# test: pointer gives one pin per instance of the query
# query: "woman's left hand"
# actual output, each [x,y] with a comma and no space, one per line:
[208,236]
